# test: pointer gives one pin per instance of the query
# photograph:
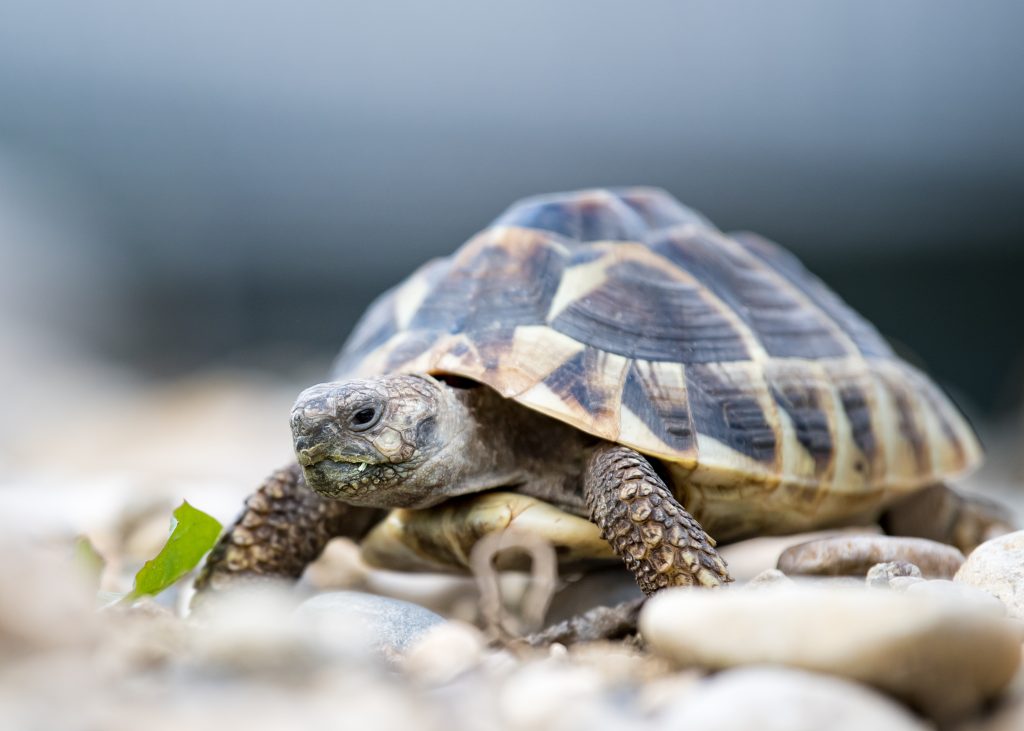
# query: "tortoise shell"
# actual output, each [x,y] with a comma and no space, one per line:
[633,318]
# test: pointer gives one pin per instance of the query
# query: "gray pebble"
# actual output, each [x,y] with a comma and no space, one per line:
[880,575]
[902,583]
[391,625]
[779,699]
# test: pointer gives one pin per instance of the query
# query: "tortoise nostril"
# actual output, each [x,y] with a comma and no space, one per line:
[309,430]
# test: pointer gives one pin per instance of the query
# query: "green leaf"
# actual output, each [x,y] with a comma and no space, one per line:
[193,533]
[88,561]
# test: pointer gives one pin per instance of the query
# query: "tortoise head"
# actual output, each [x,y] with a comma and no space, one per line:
[379,442]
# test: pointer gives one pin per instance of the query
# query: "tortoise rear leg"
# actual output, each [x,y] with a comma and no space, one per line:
[600,623]
[660,543]
[283,528]
[945,515]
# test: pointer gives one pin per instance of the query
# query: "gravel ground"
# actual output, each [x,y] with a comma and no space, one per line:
[413,651]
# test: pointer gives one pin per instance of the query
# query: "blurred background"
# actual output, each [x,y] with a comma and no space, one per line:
[197,200]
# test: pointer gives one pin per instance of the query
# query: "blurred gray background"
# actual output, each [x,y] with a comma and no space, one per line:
[195,184]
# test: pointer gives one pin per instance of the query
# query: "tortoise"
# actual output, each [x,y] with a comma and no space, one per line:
[608,370]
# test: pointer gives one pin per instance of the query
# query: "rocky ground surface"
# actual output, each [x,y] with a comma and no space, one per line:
[913,636]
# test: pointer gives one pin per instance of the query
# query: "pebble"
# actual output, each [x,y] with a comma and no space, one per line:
[252,631]
[391,626]
[942,589]
[46,603]
[944,656]
[902,583]
[997,567]
[854,555]
[779,699]
[338,567]
[748,558]
[444,652]
[768,577]
[621,665]
[557,696]
[880,575]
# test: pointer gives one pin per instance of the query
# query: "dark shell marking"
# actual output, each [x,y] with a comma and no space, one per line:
[633,318]
[656,394]
[673,321]
[869,343]
[725,405]
[783,324]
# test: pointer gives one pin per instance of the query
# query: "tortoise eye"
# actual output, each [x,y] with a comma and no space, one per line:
[364,418]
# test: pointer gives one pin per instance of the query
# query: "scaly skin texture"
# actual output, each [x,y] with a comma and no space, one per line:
[599,623]
[942,514]
[283,528]
[354,462]
[429,443]
[426,442]
[660,543]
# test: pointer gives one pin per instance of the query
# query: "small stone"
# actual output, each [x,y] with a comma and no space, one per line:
[902,583]
[943,590]
[389,625]
[444,652]
[779,699]
[554,694]
[665,691]
[748,558]
[250,630]
[854,555]
[997,567]
[880,575]
[944,657]
[768,577]
[339,567]
[46,603]
[620,664]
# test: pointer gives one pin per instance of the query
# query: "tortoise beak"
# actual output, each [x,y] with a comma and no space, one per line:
[314,442]
[312,450]
[322,440]
[334,479]
[309,455]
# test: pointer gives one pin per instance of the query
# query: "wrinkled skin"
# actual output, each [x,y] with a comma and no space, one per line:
[413,442]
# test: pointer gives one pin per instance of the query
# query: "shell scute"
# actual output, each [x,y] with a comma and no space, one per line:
[655,402]
[631,317]
[868,340]
[674,320]
[593,216]
[729,403]
[803,397]
[509,281]
[774,311]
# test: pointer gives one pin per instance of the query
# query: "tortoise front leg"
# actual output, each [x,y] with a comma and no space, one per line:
[283,528]
[660,543]
[945,515]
